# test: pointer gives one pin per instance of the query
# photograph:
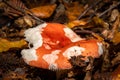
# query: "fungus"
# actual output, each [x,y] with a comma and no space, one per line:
[54,44]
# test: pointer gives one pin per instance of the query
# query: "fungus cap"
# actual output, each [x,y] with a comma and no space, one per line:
[54,44]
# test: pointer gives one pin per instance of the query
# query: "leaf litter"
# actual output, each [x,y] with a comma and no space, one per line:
[100,21]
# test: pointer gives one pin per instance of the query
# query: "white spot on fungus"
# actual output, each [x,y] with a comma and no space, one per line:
[33,35]
[51,58]
[73,51]
[29,55]
[71,35]
[46,46]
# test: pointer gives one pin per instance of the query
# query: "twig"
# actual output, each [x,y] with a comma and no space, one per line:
[24,12]
[12,6]
[89,69]
[84,31]
[103,12]
[88,9]
[113,6]
[34,17]
[106,64]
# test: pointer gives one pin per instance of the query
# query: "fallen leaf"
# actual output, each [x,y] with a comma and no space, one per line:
[74,10]
[99,38]
[6,44]
[43,11]
[99,21]
[116,38]
[29,21]
[116,74]
[116,59]
[114,34]
[76,23]
[15,9]
[18,74]
[114,15]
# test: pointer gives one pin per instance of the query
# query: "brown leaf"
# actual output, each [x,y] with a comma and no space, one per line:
[43,11]
[29,21]
[74,10]
[14,7]
[114,15]
[76,23]
[115,28]
[18,74]
[116,60]
[114,34]
[6,45]
[116,38]
[99,21]
[116,74]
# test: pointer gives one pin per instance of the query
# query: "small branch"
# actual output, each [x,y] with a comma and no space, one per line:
[109,9]
[89,69]
[25,12]
[13,7]
[35,17]
[88,9]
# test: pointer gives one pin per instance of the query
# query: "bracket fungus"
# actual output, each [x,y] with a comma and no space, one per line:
[54,44]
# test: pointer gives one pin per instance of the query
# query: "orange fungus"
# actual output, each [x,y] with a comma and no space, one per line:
[54,44]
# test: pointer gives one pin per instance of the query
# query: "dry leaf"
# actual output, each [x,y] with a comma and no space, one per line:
[6,45]
[116,59]
[76,23]
[43,11]
[116,74]
[99,38]
[29,21]
[114,34]
[114,15]
[116,38]
[74,10]
[99,21]
[15,9]
[18,74]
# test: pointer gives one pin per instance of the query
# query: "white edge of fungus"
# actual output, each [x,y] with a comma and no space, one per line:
[73,51]
[71,35]
[33,36]
[100,48]
[29,55]
[51,58]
